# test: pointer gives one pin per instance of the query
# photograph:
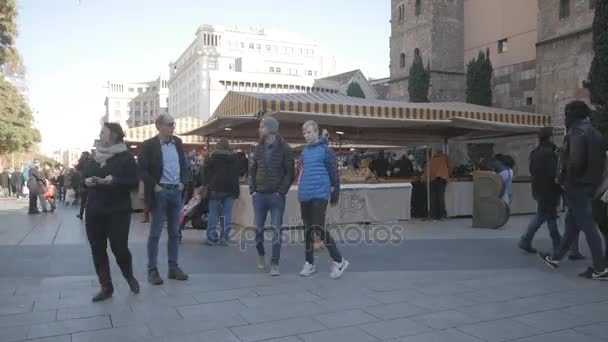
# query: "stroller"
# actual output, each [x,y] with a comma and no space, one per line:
[195,211]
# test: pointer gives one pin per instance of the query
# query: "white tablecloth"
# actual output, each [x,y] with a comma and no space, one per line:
[459,199]
[358,203]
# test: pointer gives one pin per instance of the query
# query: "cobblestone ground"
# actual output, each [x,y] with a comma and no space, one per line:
[433,281]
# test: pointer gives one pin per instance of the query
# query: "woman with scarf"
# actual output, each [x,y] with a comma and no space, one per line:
[112,177]
[319,184]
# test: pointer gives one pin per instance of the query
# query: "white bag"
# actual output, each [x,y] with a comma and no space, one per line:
[26,191]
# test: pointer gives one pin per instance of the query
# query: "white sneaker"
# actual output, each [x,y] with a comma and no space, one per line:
[338,268]
[308,270]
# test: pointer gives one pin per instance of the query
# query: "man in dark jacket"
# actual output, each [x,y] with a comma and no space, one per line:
[583,166]
[16,183]
[545,190]
[165,172]
[4,183]
[221,175]
[270,176]
[37,186]
[84,168]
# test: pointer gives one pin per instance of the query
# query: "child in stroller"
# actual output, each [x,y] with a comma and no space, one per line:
[195,211]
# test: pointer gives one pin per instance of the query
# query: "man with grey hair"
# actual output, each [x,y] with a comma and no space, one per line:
[164,171]
[270,176]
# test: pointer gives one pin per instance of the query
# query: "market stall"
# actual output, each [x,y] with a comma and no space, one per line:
[373,122]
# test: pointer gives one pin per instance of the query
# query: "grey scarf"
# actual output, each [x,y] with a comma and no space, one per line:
[102,154]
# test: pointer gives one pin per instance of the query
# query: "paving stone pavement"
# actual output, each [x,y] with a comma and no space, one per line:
[443,281]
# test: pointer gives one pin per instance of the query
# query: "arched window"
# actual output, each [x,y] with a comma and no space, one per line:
[402,60]
[416,52]
[418,9]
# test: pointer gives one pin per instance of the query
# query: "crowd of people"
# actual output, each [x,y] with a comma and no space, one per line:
[104,181]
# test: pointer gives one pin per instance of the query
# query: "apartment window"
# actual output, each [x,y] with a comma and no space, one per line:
[503,46]
[139,90]
[153,88]
[278,69]
[268,48]
[290,51]
[309,73]
[212,65]
[251,46]
[401,14]
[271,69]
[418,5]
[529,101]
[564,9]
[242,45]
[258,47]
[131,90]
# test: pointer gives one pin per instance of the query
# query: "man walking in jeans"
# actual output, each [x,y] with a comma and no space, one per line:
[545,190]
[583,164]
[270,176]
[164,170]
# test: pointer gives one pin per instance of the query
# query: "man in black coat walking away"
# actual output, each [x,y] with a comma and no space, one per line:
[84,167]
[545,190]
[17,183]
[583,167]
[4,183]
[37,186]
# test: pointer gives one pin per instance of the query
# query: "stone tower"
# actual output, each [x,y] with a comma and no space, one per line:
[435,30]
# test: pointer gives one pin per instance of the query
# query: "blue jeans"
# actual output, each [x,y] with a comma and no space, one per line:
[544,214]
[275,203]
[168,207]
[580,217]
[225,204]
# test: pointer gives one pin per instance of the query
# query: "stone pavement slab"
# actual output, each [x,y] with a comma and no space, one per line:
[500,330]
[443,282]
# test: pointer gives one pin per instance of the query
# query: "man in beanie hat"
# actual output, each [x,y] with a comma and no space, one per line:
[545,190]
[584,158]
[270,176]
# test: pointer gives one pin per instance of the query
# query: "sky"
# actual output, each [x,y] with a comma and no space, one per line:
[72,48]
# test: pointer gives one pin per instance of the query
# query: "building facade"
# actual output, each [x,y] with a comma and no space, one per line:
[340,83]
[136,104]
[435,31]
[222,59]
[564,54]
[507,29]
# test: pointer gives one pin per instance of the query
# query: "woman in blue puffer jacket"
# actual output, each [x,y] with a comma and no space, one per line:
[318,181]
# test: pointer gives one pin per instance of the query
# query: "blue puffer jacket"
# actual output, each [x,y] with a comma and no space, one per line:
[319,172]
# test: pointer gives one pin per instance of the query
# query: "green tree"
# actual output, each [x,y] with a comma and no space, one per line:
[419,81]
[16,131]
[598,75]
[354,90]
[479,80]
[8,33]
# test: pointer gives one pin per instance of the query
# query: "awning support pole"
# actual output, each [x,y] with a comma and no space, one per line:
[428,182]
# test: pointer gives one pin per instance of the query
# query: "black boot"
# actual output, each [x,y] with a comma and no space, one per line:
[103,294]
[105,280]
[127,272]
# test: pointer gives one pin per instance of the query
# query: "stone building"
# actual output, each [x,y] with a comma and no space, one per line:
[564,53]
[541,50]
[435,31]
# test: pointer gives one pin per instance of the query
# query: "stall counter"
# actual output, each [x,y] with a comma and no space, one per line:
[359,203]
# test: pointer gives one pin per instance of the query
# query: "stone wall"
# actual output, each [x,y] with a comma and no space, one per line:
[513,85]
[564,54]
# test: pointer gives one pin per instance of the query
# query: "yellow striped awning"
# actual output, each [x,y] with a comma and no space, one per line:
[238,104]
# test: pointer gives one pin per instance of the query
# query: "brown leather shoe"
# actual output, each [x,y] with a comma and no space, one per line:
[154,278]
[176,273]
